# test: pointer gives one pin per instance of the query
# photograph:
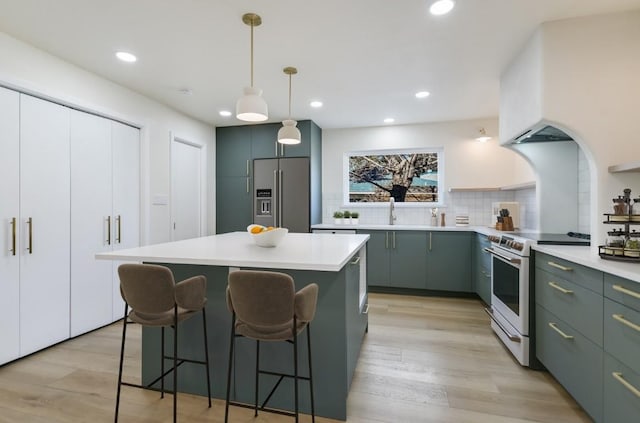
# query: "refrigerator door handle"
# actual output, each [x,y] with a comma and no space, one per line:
[274,206]
[281,192]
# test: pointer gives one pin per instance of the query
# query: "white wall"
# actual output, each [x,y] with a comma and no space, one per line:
[26,68]
[468,163]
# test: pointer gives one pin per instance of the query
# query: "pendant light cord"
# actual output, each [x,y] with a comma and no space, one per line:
[289,96]
[251,54]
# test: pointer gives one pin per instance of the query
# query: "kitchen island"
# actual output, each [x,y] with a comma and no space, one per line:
[336,263]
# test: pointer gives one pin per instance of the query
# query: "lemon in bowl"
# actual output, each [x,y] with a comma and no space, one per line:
[266,236]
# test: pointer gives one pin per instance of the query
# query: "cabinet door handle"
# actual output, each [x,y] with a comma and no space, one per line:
[281,191]
[13,237]
[247,185]
[430,238]
[386,240]
[119,229]
[559,266]
[555,327]
[30,224]
[274,205]
[620,318]
[559,288]
[248,167]
[356,261]
[108,219]
[618,376]
[626,291]
[366,309]
[393,239]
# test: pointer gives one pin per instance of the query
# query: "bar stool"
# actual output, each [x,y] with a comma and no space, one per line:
[265,307]
[157,301]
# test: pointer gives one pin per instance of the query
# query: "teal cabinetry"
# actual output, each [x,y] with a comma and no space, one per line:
[449,261]
[434,260]
[237,146]
[481,268]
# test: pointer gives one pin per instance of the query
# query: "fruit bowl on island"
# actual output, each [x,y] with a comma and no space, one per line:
[266,236]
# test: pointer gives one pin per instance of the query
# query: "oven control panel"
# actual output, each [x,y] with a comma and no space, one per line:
[514,244]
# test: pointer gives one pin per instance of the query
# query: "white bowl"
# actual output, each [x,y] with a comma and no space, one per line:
[269,238]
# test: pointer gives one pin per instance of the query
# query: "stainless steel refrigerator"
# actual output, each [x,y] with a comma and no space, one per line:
[282,193]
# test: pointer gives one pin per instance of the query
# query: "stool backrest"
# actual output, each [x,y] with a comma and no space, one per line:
[261,298]
[147,288]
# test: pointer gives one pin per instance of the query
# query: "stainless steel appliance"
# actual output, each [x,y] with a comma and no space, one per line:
[281,193]
[510,293]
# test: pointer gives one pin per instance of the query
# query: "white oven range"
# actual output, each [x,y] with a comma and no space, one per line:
[510,292]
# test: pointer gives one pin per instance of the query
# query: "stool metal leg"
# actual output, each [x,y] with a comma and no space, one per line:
[295,364]
[255,407]
[175,363]
[231,343]
[313,411]
[124,335]
[162,362]
[206,352]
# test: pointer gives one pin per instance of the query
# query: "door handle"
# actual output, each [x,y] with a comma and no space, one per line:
[108,219]
[386,240]
[620,318]
[557,329]
[356,261]
[626,291]
[13,237]
[393,239]
[626,384]
[280,198]
[119,232]
[559,266]
[274,209]
[30,224]
[559,288]
[430,239]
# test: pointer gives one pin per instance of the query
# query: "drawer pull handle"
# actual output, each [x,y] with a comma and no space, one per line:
[559,288]
[630,387]
[620,318]
[356,260]
[564,335]
[626,291]
[559,266]
[365,309]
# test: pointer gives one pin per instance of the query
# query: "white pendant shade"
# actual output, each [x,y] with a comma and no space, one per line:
[251,107]
[289,134]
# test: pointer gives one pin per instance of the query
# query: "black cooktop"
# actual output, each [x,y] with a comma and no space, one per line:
[570,238]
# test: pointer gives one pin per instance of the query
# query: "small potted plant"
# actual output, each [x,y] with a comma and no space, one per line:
[337,217]
[354,217]
[346,216]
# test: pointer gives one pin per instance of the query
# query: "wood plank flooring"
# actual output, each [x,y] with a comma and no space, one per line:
[425,359]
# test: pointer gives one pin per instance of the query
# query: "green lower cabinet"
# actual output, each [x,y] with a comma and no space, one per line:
[233,215]
[377,258]
[621,392]
[448,258]
[407,264]
[575,361]
[482,268]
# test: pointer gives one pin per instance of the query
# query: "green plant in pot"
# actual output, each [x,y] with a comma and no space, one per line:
[337,217]
[347,216]
[354,217]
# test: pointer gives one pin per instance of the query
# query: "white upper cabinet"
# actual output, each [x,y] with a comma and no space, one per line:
[44,223]
[9,231]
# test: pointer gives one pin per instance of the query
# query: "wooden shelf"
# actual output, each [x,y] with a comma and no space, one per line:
[514,187]
[625,167]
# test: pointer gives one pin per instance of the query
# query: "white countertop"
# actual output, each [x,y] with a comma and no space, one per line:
[589,257]
[296,251]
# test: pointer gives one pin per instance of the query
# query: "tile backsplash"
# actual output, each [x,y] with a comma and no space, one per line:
[477,204]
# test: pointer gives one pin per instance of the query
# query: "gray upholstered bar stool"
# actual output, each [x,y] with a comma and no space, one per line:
[157,301]
[265,307]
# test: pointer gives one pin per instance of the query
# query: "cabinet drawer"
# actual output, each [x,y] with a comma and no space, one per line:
[578,306]
[573,272]
[575,362]
[622,333]
[622,290]
[621,392]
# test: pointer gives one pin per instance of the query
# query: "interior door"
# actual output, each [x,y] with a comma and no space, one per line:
[91,222]
[125,165]
[10,218]
[186,188]
[45,212]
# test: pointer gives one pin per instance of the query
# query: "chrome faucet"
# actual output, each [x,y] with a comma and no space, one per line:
[392,217]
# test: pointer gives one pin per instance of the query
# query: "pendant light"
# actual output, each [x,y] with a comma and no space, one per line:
[251,107]
[289,134]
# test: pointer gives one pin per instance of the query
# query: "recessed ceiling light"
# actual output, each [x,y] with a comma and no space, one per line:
[422,94]
[441,7]
[185,91]
[225,113]
[126,57]
[316,104]
[389,120]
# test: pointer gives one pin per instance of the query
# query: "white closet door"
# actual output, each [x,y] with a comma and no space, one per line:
[126,197]
[91,219]
[185,190]
[45,201]
[9,210]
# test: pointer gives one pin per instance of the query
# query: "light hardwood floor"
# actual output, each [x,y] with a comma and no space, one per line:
[425,359]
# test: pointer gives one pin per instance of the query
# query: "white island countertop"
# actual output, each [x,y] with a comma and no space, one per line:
[296,251]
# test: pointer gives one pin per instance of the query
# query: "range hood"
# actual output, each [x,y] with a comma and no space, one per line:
[543,133]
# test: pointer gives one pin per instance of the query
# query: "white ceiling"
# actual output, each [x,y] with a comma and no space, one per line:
[364,59]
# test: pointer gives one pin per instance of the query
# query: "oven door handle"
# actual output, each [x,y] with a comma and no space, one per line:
[503,257]
[512,337]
